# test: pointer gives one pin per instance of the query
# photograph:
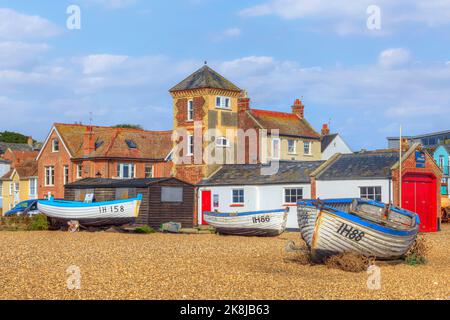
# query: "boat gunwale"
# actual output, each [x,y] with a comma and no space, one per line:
[79,204]
[360,221]
[241,214]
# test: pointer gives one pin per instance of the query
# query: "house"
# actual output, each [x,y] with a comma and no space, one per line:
[243,188]
[19,184]
[29,146]
[332,143]
[442,157]
[5,166]
[72,152]
[163,199]
[221,110]
[429,140]
[375,175]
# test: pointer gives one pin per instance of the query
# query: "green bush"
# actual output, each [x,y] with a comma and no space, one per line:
[144,230]
[38,223]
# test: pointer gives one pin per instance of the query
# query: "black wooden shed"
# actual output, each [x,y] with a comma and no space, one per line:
[163,199]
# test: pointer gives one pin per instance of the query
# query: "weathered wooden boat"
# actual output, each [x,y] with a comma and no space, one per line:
[267,223]
[95,214]
[370,228]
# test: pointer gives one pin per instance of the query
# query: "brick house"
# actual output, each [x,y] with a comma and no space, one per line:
[72,152]
[207,98]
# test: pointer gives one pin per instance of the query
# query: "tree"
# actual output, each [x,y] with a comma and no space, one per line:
[129,126]
[13,137]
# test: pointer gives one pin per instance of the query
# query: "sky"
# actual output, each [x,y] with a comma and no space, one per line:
[365,70]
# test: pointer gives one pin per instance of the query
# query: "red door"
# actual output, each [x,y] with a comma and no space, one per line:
[419,195]
[206,204]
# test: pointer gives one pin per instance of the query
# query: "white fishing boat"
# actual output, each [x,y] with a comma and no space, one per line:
[95,214]
[255,223]
[370,228]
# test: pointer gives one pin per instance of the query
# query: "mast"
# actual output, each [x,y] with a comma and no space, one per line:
[400,170]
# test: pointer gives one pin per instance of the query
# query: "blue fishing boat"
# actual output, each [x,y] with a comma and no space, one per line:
[370,228]
[267,223]
[95,214]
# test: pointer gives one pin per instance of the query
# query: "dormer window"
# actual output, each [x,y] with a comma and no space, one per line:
[131,144]
[190,110]
[55,145]
[223,102]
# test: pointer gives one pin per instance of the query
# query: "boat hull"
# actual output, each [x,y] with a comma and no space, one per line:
[97,214]
[259,223]
[329,233]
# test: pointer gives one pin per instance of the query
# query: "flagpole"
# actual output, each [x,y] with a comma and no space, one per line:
[400,170]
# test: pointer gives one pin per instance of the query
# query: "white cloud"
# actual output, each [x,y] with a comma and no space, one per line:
[351,16]
[394,57]
[232,32]
[112,4]
[16,54]
[100,63]
[15,26]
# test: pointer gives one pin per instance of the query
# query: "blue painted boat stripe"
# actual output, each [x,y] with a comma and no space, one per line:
[78,204]
[241,214]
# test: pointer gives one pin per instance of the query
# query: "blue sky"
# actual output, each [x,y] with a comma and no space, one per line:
[128,53]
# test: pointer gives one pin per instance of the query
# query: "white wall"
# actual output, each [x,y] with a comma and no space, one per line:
[350,188]
[256,198]
[338,145]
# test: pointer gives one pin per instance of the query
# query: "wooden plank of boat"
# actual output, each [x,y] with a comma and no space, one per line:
[254,223]
[328,232]
[96,214]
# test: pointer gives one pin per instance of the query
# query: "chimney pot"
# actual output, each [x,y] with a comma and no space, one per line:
[325,130]
[298,109]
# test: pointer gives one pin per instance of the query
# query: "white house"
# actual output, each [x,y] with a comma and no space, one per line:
[333,144]
[360,175]
[243,188]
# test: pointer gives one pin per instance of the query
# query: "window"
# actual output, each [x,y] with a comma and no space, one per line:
[49,176]
[307,148]
[190,110]
[126,170]
[131,144]
[292,147]
[148,171]
[223,103]
[33,187]
[171,194]
[66,174]
[79,171]
[222,142]
[55,145]
[441,162]
[371,193]
[276,148]
[293,195]
[125,193]
[80,194]
[190,145]
[238,196]
[11,189]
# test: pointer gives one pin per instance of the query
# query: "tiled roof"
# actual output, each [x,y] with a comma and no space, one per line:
[17,157]
[359,166]
[113,183]
[327,139]
[25,170]
[14,146]
[112,142]
[251,174]
[205,77]
[289,124]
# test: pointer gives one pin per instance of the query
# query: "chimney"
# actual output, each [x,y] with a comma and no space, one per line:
[243,102]
[298,109]
[30,141]
[405,144]
[325,130]
[88,142]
